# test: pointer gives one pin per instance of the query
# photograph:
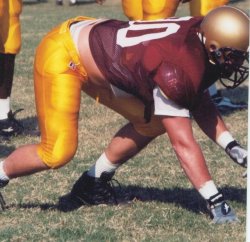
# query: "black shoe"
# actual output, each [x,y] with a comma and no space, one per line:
[89,191]
[10,126]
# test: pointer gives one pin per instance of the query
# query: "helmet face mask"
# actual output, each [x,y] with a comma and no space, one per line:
[225,35]
[233,66]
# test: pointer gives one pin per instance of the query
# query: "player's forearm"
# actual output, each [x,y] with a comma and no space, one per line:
[209,119]
[193,163]
[211,123]
[188,151]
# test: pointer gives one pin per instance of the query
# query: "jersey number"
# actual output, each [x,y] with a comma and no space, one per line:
[167,28]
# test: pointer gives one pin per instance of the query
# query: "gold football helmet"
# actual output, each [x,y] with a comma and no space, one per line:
[225,34]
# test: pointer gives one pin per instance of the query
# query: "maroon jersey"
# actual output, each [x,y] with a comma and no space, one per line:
[137,56]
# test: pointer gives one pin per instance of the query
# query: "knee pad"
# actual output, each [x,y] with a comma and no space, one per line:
[157,9]
[202,7]
[58,155]
[133,9]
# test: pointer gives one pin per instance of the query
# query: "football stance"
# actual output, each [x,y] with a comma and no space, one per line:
[10,44]
[156,75]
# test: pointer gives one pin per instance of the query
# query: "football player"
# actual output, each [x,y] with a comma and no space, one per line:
[10,44]
[156,75]
[150,9]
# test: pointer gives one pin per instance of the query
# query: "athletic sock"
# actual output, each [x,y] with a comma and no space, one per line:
[224,139]
[208,190]
[4,108]
[102,165]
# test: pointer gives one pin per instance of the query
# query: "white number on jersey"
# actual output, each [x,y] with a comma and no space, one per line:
[165,25]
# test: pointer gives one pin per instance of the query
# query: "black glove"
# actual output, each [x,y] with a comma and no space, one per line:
[237,153]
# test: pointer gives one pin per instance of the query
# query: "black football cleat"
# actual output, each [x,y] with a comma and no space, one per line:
[89,190]
[10,126]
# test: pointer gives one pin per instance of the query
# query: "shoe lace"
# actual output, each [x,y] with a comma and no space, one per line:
[12,115]
[12,119]
[105,191]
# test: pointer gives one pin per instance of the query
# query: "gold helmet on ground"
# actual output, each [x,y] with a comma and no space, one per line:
[225,34]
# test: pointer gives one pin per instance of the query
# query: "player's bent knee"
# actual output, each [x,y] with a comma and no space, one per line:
[58,156]
[154,7]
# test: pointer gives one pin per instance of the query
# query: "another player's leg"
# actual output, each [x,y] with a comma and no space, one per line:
[159,9]
[133,9]
[10,35]
[8,124]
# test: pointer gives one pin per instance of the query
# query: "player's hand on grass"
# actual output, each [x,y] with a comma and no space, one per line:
[237,154]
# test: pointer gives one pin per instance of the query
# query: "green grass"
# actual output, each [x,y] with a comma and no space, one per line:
[167,208]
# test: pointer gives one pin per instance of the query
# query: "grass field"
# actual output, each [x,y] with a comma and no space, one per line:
[167,208]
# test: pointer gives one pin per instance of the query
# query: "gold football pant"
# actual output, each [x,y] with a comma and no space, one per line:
[59,79]
[149,9]
[202,7]
[10,30]
[158,9]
